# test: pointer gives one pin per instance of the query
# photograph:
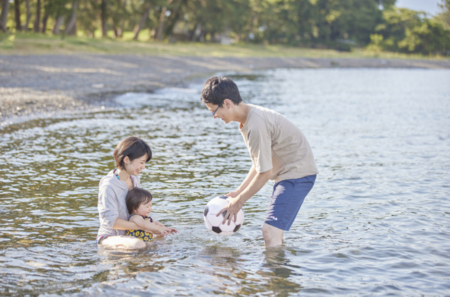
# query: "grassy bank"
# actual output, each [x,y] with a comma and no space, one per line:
[30,43]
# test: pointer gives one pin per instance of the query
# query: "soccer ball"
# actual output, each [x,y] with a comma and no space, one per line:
[214,223]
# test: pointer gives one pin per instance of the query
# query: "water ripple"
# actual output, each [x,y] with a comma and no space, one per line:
[376,222]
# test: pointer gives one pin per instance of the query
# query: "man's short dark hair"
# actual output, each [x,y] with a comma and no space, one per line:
[136,197]
[217,89]
[133,148]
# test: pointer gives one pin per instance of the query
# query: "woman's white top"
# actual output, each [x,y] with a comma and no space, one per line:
[111,203]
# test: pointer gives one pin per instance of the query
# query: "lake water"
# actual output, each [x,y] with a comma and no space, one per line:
[376,223]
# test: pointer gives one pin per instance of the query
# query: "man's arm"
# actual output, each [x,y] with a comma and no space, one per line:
[236,203]
[250,176]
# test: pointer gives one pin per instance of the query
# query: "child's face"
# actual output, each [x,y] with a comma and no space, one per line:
[144,209]
[136,166]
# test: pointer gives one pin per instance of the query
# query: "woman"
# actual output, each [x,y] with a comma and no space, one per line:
[130,157]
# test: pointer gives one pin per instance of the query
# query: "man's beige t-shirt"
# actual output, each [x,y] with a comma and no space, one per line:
[275,143]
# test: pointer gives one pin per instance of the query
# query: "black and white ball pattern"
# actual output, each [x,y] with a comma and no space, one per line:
[214,223]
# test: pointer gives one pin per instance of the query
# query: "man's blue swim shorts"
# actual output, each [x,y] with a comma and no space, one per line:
[287,198]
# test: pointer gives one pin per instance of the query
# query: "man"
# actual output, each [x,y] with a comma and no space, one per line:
[279,151]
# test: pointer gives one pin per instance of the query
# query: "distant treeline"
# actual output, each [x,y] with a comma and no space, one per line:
[338,24]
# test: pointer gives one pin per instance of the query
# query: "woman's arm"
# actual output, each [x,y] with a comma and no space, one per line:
[121,224]
[152,227]
[108,207]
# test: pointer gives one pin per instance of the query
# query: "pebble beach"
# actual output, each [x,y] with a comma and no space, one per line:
[42,85]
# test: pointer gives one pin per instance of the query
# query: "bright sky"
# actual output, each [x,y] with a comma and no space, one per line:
[429,6]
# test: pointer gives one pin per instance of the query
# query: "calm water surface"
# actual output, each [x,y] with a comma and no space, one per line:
[376,223]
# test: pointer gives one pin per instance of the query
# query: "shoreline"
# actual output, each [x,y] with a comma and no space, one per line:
[37,86]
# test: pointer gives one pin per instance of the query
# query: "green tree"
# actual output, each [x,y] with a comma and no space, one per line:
[319,22]
[87,19]
[428,38]
[395,24]
[444,16]
[411,31]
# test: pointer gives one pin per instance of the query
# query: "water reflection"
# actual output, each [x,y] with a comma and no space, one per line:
[375,223]
[279,271]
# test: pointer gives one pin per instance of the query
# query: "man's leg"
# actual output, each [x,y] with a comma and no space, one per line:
[285,203]
[272,236]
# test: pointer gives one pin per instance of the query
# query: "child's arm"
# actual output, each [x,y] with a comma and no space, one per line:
[157,223]
[148,226]
[172,230]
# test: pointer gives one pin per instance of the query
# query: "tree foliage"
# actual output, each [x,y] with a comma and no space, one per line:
[338,24]
[411,31]
[444,16]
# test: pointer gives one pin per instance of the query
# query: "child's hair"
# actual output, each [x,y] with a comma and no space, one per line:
[217,89]
[133,148]
[136,197]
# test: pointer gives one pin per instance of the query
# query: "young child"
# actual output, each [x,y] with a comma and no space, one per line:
[139,205]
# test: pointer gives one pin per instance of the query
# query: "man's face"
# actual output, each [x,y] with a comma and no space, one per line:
[220,112]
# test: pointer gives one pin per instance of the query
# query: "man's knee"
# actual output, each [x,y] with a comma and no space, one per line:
[266,230]
[272,235]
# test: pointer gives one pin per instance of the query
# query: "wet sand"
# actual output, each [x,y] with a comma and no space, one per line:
[43,85]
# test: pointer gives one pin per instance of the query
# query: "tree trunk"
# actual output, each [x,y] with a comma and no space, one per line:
[159,29]
[59,21]
[103,17]
[249,28]
[203,35]
[37,21]
[4,15]
[73,18]
[193,32]
[44,23]
[142,22]
[174,17]
[118,19]
[17,15]
[117,29]
[72,31]
[27,22]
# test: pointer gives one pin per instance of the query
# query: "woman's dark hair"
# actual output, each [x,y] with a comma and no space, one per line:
[133,148]
[217,89]
[136,197]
